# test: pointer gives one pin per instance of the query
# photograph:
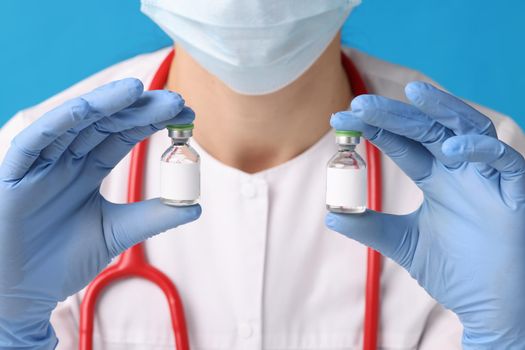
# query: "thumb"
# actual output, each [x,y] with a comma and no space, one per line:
[128,224]
[393,236]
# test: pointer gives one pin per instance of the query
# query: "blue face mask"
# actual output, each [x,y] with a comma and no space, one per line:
[254,46]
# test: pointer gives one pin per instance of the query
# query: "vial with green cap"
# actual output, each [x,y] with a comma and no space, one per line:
[180,169]
[346,189]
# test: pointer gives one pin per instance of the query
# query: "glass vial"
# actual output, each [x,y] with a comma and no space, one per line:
[180,169]
[346,188]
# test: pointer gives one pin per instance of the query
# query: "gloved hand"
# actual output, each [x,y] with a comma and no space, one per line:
[56,231]
[466,243]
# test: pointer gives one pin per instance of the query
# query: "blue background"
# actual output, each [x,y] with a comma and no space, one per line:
[473,48]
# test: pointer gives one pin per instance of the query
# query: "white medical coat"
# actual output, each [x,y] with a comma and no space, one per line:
[259,269]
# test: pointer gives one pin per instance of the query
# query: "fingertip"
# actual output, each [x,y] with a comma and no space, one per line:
[176,102]
[171,216]
[330,220]
[80,109]
[418,92]
[451,146]
[135,87]
[365,107]
[415,87]
[184,215]
[346,224]
[174,93]
[186,116]
[474,148]
[337,119]
[177,97]
[129,89]
[455,149]
[168,104]
[359,103]
[338,220]
[194,212]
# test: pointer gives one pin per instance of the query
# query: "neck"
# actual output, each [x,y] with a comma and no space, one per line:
[254,133]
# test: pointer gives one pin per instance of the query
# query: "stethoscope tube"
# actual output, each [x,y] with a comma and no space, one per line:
[375,190]
[133,262]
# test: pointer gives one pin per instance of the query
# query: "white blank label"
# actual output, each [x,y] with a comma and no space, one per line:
[179,181]
[346,187]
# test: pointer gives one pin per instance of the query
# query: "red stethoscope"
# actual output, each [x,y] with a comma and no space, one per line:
[133,263]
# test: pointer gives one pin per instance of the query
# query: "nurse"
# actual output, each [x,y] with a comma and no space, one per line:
[261,268]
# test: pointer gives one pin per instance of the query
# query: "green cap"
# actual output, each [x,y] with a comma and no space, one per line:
[351,133]
[180,127]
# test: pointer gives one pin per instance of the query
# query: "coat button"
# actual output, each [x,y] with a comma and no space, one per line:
[248,190]
[245,330]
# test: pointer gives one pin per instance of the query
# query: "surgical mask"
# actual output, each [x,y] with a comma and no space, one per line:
[254,46]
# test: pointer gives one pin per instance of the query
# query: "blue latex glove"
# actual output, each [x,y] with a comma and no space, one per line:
[56,231]
[466,243]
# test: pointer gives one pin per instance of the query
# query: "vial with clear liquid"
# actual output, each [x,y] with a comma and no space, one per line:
[346,188]
[180,169]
